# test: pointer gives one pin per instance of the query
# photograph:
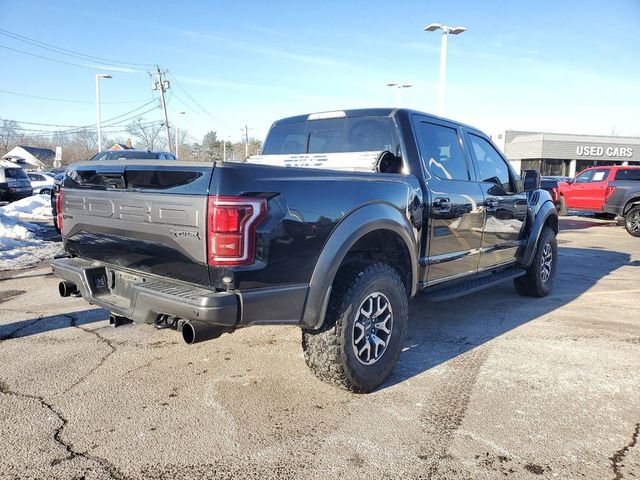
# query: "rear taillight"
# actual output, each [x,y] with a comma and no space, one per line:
[231,229]
[608,192]
[59,210]
[555,195]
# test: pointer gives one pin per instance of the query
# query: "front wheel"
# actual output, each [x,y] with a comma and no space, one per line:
[538,281]
[632,221]
[360,342]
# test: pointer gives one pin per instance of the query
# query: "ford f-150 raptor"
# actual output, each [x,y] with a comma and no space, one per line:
[342,218]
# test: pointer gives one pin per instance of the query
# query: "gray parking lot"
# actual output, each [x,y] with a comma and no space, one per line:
[493,385]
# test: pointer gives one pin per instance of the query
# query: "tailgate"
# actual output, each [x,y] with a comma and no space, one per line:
[139,216]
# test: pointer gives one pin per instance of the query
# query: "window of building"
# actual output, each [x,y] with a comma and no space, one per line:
[442,153]
[491,165]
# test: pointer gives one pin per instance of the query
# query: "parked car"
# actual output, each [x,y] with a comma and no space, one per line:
[133,154]
[623,199]
[341,220]
[57,183]
[588,190]
[41,182]
[14,184]
[550,184]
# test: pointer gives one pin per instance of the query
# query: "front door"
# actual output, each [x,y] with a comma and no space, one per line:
[505,207]
[594,190]
[574,193]
[455,216]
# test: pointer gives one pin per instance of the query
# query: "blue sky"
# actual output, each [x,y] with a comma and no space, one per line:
[565,66]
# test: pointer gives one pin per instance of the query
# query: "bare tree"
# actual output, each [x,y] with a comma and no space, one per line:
[9,135]
[148,134]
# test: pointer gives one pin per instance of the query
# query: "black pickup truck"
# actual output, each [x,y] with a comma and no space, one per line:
[623,199]
[341,220]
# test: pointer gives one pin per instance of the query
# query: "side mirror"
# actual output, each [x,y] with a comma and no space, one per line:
[570,181]
[531,180]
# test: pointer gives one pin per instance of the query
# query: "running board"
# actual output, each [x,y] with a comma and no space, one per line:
[439,294]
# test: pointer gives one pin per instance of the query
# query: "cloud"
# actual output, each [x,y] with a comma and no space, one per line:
[258,49]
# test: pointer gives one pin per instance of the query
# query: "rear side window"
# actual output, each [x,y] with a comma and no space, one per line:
[442,153]
[492,166]
[16,173]
[628,174]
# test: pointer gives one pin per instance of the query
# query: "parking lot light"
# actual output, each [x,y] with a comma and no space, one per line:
[446,30]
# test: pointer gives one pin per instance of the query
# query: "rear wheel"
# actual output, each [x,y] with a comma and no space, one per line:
[538,281]
[632,221]
[359,344]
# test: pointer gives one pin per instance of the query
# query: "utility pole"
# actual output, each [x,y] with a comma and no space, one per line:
[162,85]
[246,141]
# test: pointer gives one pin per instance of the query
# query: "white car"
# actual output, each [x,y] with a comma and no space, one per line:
[41,182]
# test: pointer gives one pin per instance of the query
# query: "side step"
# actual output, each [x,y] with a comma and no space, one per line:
[464,287]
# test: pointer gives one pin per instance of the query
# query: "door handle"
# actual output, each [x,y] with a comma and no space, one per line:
[491,204]
[441,204]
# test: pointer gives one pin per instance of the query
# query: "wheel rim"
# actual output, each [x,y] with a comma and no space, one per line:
[633,222]
[547,262]
[372,328]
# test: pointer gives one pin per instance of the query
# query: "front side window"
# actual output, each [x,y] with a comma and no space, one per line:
[600,175]
[584,177]
[442,153]
[492,167]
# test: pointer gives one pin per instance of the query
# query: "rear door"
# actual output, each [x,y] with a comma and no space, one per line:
[455,215]
[504,205]
[594,190]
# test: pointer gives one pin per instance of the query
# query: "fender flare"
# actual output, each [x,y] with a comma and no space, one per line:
[546,210]
[366,219]
[629,204]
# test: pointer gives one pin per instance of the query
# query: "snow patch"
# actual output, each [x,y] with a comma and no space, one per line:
[21,245]
[37,207]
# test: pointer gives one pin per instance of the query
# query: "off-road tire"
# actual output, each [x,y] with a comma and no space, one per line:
[562,206]
[532,284]
[629,221]
[329,351]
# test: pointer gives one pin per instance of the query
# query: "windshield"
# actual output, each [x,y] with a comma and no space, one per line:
[125,155]
[353,134]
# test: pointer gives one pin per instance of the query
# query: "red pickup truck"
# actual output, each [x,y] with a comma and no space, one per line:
[589,189]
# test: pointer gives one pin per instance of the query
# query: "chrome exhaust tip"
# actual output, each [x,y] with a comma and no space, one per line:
[66,289]
[195,331]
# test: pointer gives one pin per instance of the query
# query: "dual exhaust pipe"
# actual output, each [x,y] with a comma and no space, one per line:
[193,331]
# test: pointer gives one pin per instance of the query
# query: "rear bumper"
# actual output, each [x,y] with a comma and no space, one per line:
[13,196]
[613,209]
[142,298]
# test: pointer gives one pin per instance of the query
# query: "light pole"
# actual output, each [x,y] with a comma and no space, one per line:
[178,133]
[446,30]
[98,77]
[399,87]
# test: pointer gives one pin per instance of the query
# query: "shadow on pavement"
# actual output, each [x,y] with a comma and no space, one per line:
[34,326]
[439,332]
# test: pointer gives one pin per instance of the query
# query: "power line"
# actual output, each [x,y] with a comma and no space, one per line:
[65,51]
[206,112]
[67,100]
[64,61]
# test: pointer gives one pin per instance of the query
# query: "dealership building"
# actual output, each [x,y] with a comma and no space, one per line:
[564,153]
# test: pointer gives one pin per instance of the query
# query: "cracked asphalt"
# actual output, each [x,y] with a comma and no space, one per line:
[493,385]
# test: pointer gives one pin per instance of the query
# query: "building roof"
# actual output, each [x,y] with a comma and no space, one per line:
[42,154]
[33,156]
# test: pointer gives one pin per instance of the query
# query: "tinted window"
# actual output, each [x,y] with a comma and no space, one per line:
[492,167]
[131,155]
[15,173]
[349,134]
[442,153]
[584,177]
[628,174]
[600,175]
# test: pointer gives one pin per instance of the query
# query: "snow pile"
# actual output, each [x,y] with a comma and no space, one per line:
[20,245]
[37,207]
